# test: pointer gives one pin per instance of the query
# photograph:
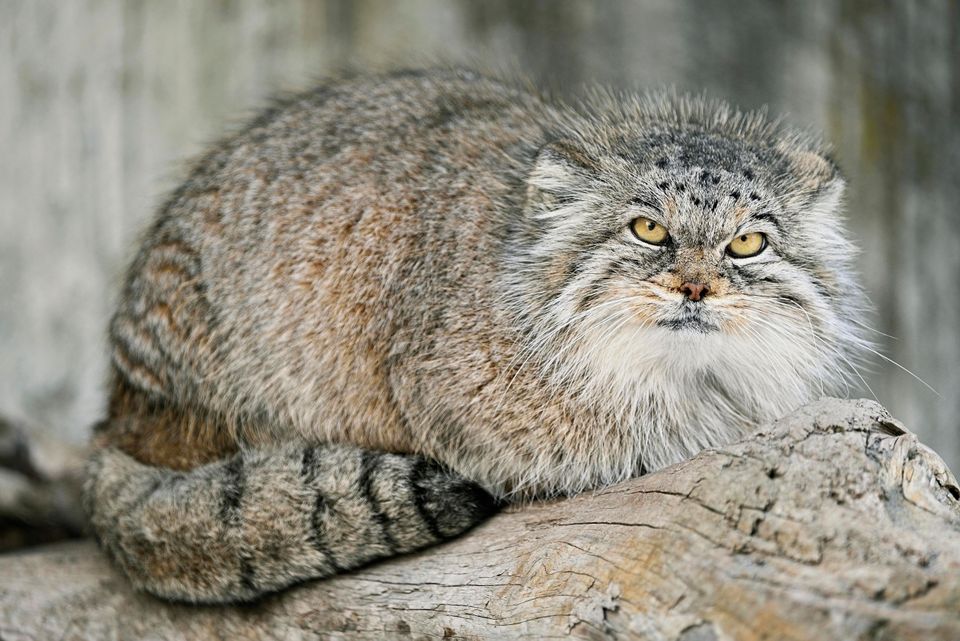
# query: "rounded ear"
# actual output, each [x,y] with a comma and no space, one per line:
[821,184]
[561,168]
[814,170]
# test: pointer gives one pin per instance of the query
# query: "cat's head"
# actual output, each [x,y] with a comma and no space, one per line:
[679,238]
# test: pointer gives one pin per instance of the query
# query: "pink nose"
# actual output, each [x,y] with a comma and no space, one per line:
[694,291]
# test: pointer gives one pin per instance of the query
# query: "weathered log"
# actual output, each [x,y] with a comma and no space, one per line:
[832,524]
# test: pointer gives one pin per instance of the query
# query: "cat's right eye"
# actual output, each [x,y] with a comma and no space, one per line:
[649,231]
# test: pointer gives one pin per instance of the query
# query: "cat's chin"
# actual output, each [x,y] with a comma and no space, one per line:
[657,359]
[639,352]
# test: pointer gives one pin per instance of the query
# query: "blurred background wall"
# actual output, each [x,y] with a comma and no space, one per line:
[102,100]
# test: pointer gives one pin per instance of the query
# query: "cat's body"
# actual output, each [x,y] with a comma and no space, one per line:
[439,264]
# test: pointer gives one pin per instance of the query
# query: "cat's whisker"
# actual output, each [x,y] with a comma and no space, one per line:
[873,330]
[813,337]
[780,309]
[865,346]
[896,364]
[817,335]
[770,350]
[838,353]
[859,375]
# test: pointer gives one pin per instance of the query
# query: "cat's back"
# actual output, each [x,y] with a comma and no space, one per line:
[384,132]
[351,193]
[300,246]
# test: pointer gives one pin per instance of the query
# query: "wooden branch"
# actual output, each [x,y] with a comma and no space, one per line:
[833,524]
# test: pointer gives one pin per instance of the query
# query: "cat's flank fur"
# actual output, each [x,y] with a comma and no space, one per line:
[391,300]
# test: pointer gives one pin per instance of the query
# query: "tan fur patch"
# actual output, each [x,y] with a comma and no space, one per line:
[159,434]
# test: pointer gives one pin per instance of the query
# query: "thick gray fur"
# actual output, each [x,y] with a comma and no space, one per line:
[439,264]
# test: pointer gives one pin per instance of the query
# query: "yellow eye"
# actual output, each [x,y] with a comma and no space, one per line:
[649,231]
[747,245]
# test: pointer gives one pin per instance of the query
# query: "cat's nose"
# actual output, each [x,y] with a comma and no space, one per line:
[694,291]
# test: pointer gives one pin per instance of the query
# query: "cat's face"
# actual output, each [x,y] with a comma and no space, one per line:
[682,257]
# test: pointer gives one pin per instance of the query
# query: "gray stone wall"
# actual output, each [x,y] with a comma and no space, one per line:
[101,101]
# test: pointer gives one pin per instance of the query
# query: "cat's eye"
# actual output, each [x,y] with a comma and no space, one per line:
[649,231]
[747,245]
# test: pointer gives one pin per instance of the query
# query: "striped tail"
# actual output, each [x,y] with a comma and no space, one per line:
[265,519]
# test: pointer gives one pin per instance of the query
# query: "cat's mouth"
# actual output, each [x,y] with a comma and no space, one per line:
[689,324]
[690,317]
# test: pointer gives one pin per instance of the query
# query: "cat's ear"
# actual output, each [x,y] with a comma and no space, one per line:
[561,170]
[820,180]
[816,171]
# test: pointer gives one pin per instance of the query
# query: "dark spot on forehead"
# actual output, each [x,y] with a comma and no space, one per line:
[683,149]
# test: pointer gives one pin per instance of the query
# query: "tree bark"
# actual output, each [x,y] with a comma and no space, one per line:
[832,524]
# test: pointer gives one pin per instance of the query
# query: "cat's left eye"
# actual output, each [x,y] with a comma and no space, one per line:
[747,245]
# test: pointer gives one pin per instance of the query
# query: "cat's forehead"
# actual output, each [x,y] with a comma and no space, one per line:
[703,212]
[677,151]
[703,185]
[703,181]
